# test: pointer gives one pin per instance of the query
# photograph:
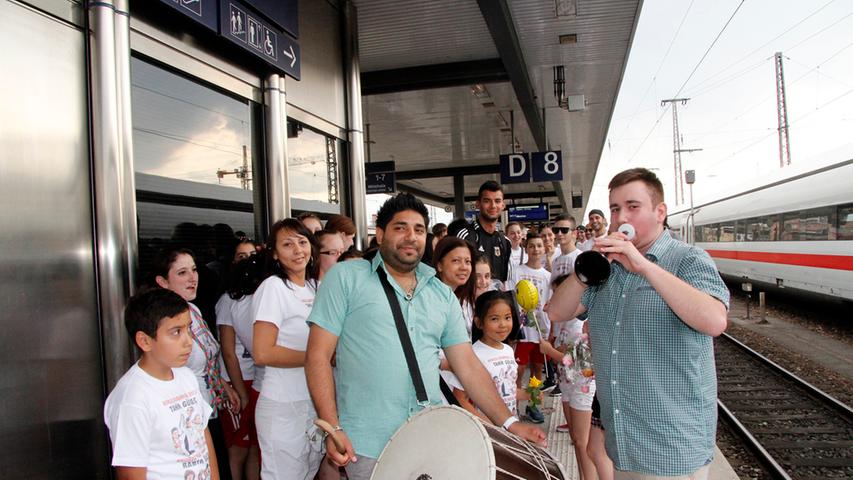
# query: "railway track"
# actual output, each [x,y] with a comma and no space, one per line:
[794,429]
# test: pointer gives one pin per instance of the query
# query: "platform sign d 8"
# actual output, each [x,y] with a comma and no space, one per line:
[515,168]
[547,166]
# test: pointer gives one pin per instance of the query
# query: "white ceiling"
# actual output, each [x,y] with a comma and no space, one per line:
[450,127]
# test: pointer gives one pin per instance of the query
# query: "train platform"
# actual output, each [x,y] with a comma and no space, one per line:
[821,349]
[560,445]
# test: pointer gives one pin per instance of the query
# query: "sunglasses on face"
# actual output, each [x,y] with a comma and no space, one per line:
[562,230]
[333,253]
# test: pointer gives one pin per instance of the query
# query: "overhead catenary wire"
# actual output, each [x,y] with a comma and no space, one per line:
[761,47]
[654,77]
[698,64]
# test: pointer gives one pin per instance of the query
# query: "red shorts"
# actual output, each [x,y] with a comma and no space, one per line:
[239,430]
[528,352]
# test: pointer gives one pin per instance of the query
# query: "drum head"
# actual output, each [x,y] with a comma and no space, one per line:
[442,442]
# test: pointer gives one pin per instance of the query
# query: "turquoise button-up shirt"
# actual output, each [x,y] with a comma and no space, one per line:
[655,375]
[375,394]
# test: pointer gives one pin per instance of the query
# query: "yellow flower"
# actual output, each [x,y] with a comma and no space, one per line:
[534,382]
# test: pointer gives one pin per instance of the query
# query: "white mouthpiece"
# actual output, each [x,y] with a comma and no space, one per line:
[628,230]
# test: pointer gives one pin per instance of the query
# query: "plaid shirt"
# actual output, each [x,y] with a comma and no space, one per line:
[656,378]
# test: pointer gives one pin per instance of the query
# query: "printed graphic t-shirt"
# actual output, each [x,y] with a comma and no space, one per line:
[541,279]
[502,368]
[159,424]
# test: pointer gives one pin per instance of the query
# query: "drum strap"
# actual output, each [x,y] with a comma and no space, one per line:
[408,350]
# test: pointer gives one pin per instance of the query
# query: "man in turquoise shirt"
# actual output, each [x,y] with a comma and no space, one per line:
[370,395]
[651,328]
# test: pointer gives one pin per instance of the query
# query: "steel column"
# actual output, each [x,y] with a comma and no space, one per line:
[278,188]
[111,165]
[459,196]
[357,180]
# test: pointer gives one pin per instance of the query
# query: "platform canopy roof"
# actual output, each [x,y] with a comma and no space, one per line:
[449,85]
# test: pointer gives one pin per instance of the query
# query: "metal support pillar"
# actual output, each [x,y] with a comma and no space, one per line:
[112,175]
[459,196]
[278,188]
[358,179]
[782,113]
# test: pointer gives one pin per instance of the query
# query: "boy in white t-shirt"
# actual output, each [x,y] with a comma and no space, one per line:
[156,414]
[527,349]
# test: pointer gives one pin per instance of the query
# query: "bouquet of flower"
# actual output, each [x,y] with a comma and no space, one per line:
[578,363]
[534,390]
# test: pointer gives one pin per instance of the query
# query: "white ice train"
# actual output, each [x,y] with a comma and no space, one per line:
[795,234]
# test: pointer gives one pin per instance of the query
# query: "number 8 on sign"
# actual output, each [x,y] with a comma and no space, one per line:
[547,166]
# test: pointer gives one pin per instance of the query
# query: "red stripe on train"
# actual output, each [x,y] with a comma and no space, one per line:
[835,262]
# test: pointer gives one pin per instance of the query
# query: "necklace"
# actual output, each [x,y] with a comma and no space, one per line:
[410,292]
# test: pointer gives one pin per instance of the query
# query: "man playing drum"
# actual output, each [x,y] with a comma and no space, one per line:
[371,394]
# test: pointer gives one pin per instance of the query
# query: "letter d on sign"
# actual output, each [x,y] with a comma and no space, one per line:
[515,168]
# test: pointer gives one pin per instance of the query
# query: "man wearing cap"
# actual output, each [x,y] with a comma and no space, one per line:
[599,228]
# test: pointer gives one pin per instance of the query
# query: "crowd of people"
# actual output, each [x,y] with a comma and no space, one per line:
[302,333]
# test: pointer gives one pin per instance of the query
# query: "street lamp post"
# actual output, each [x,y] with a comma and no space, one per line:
[690,178]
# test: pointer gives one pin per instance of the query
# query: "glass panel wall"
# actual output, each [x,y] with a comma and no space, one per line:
[195,155]
[312,164]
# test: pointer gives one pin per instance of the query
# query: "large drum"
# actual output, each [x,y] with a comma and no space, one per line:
[448,443]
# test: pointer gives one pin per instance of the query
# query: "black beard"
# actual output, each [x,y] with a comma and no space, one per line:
[389,256]
[487,218]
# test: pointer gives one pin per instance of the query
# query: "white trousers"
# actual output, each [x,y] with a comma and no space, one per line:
[291,445]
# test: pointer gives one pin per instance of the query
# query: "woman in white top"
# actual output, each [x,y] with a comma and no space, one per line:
[291,447]
[235,322]
[175,269]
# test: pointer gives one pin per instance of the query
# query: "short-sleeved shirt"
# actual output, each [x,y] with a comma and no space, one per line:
[495,246]
[159,424]
[656,377]
[375,394]
[287,307]
[541,279]
[224,308]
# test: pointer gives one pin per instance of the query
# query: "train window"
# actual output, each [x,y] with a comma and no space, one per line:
[727,232]
[813,224]
[195,159]
[764,229]
[698,233]
[740,231]
[845,222]
[709,233]
[312,164]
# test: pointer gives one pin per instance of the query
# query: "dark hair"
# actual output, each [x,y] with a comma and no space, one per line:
[646,176]
[489,186]
[533,234]
[145,311]
[305,215]
[400,203]
[163,260]
[513,224]
[482,258]
[439,229]
[246,276]
[468,290]
[564,217]
[351,254]
[485,302]
[457,226]
[340,223]
[320,234]
[312,270]
[558,280]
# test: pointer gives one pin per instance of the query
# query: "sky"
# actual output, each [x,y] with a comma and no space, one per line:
[731,114]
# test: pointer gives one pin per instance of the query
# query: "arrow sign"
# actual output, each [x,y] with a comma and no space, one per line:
[291,56]
[259,36]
